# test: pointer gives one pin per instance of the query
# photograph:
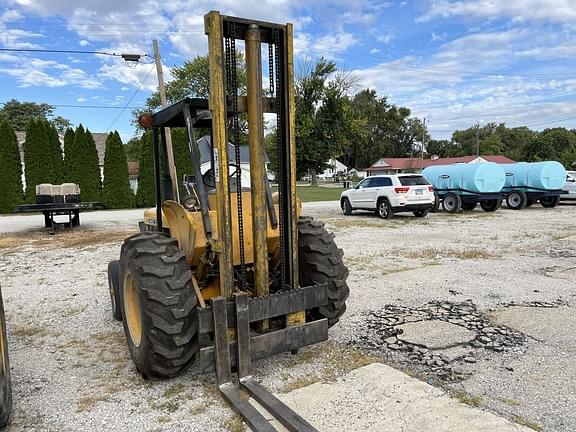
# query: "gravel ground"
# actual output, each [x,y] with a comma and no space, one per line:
[71,369]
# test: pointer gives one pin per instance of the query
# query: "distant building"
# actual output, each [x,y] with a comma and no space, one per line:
[414,165]
[335,167]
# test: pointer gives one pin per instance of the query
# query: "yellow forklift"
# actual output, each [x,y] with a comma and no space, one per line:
[231,272]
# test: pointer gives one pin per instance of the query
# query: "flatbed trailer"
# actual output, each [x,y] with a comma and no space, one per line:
[453,200]
[519,197]
[50,210]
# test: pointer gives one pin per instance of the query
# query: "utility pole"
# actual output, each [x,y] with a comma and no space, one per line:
[477,139]
[169,149]
[423,143]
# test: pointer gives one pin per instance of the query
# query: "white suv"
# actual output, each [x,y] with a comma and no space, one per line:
[389,194]
[570,187]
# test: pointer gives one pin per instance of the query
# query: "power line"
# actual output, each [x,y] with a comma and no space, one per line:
[38,50]
[131,98]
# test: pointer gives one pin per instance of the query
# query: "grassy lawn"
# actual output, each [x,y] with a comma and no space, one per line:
[316,193]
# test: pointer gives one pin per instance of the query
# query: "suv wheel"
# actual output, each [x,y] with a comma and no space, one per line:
[384,209]
[346,207]
[421,213]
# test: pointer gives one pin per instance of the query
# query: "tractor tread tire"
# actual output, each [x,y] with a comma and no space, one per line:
[163,280]
[320,262]
[5,381]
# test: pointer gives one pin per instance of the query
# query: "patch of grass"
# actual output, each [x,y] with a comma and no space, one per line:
[467,399]
[201,408]
[333,361]
[235,424]
[164,419]
[77,238]
[167,406]
[435,253]
[86,403]
[316,193]
[509,401]
[30,331]
[529,424]
[174,390]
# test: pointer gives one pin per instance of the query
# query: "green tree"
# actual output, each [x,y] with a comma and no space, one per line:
[491,145]
[19,114]
[89,177]
[10,169]
[73,157]
[181,156]
[553,144]
[441,148]
[131,148]
[68,152]
[55,153]
[116,192]
[37,158]
[145,194]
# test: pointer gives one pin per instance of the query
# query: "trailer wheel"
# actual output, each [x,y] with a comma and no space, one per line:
[5,382]
[384,209]
[491,205]
[158,305]
[346,207]
[468,206]
[320,262]
[451,203]
[115,289]
[517,200]
[550,201]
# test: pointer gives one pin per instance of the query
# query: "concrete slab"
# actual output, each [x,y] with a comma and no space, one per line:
[435,334]
[552,325]
[378,398]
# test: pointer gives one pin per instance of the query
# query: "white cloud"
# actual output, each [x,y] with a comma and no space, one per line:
[32,72]
[83,43]
[81,99]
[517,10]
[438,36]
[374,51]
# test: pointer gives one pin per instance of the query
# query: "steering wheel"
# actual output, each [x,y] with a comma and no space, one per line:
[209,179]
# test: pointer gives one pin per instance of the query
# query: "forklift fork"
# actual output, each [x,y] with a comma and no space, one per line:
[232,393]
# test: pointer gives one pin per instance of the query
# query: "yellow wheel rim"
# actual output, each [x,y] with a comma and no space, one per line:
[132,310]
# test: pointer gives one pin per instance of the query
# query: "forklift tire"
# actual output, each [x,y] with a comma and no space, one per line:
[320,262]
[550,201]
[114,287]
[158,305]
[5,383]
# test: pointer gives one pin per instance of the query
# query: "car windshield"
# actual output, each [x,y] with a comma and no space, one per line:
[412,181]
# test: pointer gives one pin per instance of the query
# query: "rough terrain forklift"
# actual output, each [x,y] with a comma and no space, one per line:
[230,273]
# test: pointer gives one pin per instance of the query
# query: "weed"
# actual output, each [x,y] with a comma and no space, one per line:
[299,383]
[529,424]
[174,390]
[467,399]
[437,253]
[30,330]
[164,419]
[235,424]
[509,401]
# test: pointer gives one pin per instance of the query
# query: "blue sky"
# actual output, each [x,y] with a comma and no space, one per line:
[454,62]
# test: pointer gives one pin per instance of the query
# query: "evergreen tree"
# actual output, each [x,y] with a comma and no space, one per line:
[145,195]
[55,153]
[68,152]
[37,159]
[74,157]
[116,192]
[10,169]
[88,169]
[181,156]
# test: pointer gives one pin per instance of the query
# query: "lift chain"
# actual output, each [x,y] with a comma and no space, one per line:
[271,68]
[282,190]
[231,68]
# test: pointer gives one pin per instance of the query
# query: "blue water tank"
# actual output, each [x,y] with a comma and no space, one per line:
[548,175]
[477,178]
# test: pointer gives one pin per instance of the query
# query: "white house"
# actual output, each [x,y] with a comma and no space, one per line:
[335,167]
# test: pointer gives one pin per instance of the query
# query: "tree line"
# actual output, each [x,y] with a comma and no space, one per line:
[45,161]
[518,143]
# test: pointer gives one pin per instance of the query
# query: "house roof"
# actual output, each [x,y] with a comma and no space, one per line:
[417,163]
